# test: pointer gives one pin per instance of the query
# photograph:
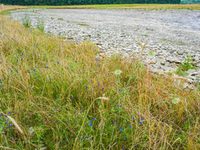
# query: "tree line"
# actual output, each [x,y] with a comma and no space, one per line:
[73,2]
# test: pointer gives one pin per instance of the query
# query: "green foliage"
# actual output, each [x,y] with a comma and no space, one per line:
[5,124]
[185,66]
[40,25]
[190,1]
[62,2]
[26,21]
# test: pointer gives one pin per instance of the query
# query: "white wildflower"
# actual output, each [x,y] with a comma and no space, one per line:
[118,72]
[176,100]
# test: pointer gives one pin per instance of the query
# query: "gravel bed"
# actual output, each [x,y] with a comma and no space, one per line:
[162,39]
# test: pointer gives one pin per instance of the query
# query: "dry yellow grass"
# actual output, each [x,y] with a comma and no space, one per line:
[126,6]
[63,98]
[109,6]
[10,7]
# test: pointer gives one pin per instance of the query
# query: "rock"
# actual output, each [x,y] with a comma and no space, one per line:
[152,62]
[162,62]
[119,35]
[99,44]
[102,55]
[180,52]
[126,49]
[188,86]
[173,60]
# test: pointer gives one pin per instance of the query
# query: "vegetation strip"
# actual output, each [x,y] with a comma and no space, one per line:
[126,6]
[113,6]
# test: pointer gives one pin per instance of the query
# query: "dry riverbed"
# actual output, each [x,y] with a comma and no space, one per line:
[163,39]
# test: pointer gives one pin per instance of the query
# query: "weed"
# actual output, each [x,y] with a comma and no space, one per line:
[185,66]
[40,25]
[5,123]
[26,21]
[152,53]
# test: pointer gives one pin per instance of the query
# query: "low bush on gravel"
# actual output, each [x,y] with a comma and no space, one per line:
[186,65]
[26,22]
[58,95]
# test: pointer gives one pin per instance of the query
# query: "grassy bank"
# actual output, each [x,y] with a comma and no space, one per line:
[114,6]
[58,95]
[4,9]
[127,6]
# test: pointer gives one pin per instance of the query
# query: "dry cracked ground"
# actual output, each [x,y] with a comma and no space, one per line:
[163,39]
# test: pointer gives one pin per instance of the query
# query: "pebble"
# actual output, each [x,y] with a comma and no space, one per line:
[130,32]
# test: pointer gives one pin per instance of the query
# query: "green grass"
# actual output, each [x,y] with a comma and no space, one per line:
[126,6]
[5,9]
[186,65]
[61,97]
[40,25]
[26,22]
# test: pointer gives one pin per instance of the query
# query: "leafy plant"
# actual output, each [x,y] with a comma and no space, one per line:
[5,123]
[152,53]
[185,66]
[26,21]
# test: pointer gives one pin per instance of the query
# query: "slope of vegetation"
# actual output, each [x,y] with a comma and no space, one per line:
[126,6]
[58,95]
[5,8]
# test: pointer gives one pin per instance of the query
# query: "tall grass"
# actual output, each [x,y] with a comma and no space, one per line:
[26,22]
[40,25]
[4,9]
[62,97]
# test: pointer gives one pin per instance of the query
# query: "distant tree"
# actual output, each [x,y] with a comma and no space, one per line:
[62,2]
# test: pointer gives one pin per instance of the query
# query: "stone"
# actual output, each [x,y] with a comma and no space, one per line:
[180,52]
[119,35]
